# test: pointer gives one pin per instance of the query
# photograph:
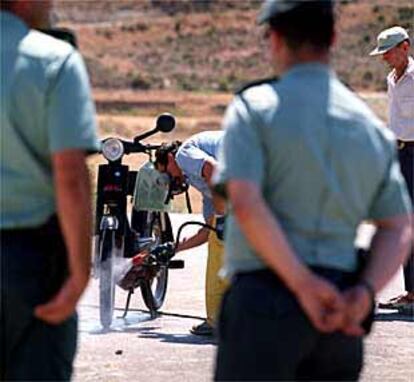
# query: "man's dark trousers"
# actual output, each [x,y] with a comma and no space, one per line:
[33,267]
[406,158]
[264,335]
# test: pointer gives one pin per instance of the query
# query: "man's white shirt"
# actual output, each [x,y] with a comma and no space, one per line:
[401,103]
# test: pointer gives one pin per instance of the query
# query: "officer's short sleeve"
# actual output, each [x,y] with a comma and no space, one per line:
[71,112]
[191,159]
[392,198]
[241,153]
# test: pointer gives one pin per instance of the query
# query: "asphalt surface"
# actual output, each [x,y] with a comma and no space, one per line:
[139,348]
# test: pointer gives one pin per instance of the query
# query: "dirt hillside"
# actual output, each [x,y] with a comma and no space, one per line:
[211,45]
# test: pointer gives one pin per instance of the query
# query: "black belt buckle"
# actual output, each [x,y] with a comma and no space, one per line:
[400,144]
[404,144]
[369,320]
[220,224]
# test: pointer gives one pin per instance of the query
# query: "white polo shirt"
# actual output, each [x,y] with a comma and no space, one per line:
[401,103]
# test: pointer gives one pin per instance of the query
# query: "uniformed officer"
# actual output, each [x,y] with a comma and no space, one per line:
[47,127]
[303,162]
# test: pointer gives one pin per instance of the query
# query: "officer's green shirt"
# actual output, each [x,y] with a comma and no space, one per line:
[323,161]
[46,107]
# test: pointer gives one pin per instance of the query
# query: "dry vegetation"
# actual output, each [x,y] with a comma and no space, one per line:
[211,45]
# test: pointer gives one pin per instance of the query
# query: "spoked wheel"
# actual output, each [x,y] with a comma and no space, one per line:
[106,278]
[154,289]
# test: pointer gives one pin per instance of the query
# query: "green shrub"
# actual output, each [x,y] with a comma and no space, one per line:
[107,33]
[139,82]
[375,9]
[406,14]
[368,76]
[381,19]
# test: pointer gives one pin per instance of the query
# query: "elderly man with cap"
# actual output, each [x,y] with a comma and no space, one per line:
[315,163]
[394,47]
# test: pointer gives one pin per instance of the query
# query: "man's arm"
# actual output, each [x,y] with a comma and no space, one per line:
[320,300]
[208,169]
[197,239]
[72,187]
[202,234]
[389,249]
[207,172]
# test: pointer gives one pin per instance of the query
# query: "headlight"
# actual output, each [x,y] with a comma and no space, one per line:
[112,149]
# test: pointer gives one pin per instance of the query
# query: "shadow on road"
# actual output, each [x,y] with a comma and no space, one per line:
[185,339]
[395,316]
[142,323]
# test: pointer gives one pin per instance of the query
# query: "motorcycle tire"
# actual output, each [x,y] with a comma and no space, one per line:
[106,278]
[154,290]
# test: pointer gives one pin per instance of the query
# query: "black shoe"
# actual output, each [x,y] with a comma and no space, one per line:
[203,329]
[402,302]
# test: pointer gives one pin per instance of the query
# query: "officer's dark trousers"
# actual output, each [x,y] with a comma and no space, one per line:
[33,267]
[264,335]
[406,157]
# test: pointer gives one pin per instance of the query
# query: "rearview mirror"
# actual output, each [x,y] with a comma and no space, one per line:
[165,122]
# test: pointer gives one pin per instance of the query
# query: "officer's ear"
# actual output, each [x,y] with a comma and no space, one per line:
[278,45]
[333,38]
[276,40]
[406,46]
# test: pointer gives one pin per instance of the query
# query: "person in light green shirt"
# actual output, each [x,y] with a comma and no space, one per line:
[303,162]
[46,107]
[47,122]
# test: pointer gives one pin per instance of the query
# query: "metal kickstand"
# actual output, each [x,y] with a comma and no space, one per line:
[130,293]
[152,311]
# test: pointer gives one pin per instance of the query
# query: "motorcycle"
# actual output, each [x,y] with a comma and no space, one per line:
[132,217]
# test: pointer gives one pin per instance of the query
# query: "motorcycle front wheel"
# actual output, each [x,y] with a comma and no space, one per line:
[106,278]
[154,290]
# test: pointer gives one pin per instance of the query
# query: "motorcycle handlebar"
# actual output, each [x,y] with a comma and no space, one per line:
[164,124]
[138,147]
[131,147]
[144,149]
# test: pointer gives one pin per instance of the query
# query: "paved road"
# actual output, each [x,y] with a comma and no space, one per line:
[162,349]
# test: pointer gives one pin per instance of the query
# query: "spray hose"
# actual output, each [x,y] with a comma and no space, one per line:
[182,226]
[166,251]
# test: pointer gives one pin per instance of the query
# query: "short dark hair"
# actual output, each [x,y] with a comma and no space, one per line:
[6,5]
[161,154]
[312,23]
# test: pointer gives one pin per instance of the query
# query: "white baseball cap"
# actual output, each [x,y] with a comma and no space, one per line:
[388,39]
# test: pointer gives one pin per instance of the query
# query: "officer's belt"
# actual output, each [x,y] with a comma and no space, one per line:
[403,144]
